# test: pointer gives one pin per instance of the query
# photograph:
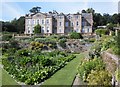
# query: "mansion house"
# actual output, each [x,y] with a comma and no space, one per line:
[59,23]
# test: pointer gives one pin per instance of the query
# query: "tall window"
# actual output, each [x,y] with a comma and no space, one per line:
[77,23]
[60,30]
[83,31]
[71,24]
[66,24]
[47,21]
[42,21]
[88,30]
[60,23]
[47,29]
[77,17]
[33,21]
[37,21]
[42,29]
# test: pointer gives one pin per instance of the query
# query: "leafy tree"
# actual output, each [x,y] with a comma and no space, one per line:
[21,24]
[90,10]
[115,18]
[16,25]
[106,18]
[99,78]
[97,18]
[118,18]
[35,9]
[37,29]
[83,11]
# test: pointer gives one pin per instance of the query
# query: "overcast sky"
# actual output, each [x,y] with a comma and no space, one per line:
[10,9]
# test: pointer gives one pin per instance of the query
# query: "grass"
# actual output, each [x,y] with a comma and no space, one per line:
[66,75]
[7,80]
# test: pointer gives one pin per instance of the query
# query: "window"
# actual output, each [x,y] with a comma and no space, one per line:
[60,23]
[77,23]
[28,31]
[77,30]
[47,29]
[60,17]
[32,21]
[28,21]
[77,17]
[42,21]
[47,21]
[88,30]
[42,29]
[66,24]
[83,31]
[37,21]
[59,30]
[71,24]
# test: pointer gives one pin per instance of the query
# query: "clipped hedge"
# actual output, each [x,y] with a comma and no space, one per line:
[75,35]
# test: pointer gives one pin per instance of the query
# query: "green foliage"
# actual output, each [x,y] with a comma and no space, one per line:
[62,42]
[110,26]
[16,25]
[116,47]
[85,68]
[47,41]
[75,35]
[36,45]
[33,67]
[102,32]
[35,9]
[101,77]
[14,44]
[117,72]
[6,37]
[37,29]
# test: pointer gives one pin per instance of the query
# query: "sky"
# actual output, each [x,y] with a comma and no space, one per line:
[10,9]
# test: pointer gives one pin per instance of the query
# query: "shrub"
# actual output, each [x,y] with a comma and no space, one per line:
[62,43]
[75,35]
[102,32]
[101,77]
[6,37]
[85,68]
[117,72]
[14,44]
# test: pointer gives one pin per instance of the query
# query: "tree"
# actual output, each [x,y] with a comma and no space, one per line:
[37,29]
[90,10]
[97,18]
[21,24]
[106,18]
[35,9]
[115,18]
[118,18]
[83,11]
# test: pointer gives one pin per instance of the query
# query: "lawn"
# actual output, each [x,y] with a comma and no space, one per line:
[66,75]
[6,80]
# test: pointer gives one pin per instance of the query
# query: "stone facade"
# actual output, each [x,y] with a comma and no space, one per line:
[59,23]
